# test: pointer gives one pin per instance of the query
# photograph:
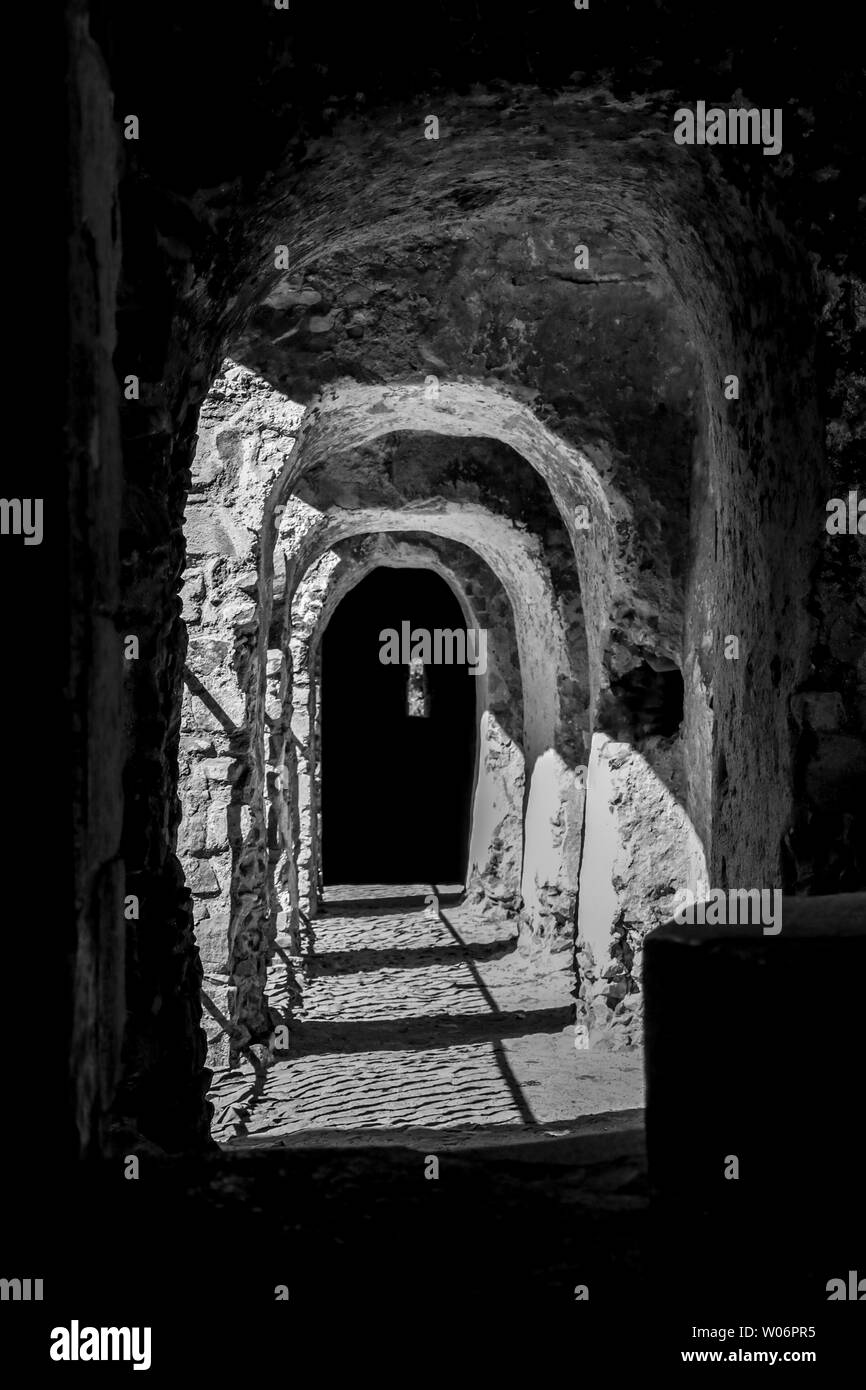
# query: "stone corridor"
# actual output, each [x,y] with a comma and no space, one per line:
[425,340]
[413,1020]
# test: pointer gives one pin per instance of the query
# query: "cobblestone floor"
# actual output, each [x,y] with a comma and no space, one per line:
[417,1020]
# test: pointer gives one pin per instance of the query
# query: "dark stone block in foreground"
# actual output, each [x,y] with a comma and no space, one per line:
[755,1048]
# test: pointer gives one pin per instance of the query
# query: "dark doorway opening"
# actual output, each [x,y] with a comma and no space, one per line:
[398,744]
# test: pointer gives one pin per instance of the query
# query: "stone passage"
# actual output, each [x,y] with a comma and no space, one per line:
[416,1020]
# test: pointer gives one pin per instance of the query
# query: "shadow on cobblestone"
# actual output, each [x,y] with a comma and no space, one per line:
[431,1030]
[407,1014]
[407,958]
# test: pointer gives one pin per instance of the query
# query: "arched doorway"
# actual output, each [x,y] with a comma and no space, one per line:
[398,740]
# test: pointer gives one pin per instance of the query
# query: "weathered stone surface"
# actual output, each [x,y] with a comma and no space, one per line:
[212,939]
[820,710]
[554,839]
[216,835]
[201,878]
[219,769]
[640,850]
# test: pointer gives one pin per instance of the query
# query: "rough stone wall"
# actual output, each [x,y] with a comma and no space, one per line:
[825,848]
[245,433]
[753,445]
[304,770]
[162,1095]
[283,810]
[92,955]
[640,849]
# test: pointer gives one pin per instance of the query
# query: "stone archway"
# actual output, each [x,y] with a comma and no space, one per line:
[245,437]
[496,842]
[551,708]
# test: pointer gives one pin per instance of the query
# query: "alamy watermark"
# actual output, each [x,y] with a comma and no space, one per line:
[441,647]
[846,516]
[854,1290]
[21,1290]
[736,907]
[22,516]
[736,125]
[75,1343]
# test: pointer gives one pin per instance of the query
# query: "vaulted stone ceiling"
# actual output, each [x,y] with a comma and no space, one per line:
[600,356]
